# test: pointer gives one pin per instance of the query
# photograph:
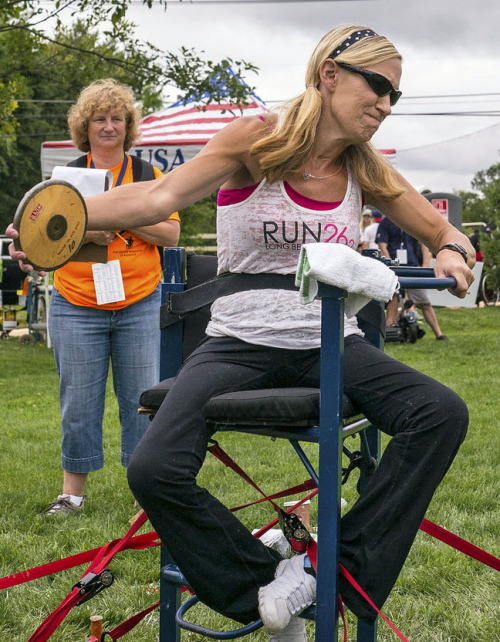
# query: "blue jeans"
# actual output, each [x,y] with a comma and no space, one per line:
[84,341]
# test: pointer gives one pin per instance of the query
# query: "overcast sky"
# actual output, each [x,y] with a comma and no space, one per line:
[449,47]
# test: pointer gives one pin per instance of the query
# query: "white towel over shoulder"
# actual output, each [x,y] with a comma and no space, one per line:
[363,277]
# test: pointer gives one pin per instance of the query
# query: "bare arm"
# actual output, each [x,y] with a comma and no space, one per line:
[166,233]
[414,214]
[151,202]
[384,250]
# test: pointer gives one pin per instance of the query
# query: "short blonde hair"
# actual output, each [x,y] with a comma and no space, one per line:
[103,95]
[286,148]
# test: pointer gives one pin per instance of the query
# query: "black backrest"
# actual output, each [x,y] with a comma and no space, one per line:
[202,267]
[199,268]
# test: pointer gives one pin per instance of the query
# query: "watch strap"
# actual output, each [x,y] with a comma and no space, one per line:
[455,247]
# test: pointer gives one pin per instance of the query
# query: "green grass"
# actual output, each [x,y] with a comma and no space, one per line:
[441,595]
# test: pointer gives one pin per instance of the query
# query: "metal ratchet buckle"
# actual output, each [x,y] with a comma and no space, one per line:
[294,530]
[92,584]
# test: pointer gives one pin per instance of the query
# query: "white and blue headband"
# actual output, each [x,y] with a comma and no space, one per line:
[351,40]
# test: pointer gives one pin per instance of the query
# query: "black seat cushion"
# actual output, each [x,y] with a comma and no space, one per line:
[271,406]
[152,398]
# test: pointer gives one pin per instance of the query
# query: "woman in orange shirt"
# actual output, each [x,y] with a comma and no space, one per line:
[102,312]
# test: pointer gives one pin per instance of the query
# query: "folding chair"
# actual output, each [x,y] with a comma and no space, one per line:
[290,413]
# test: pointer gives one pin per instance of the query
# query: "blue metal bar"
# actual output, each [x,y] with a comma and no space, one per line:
[409,283]
[305,460]
[367,632]
[170,598]
[174,265]
[408,270]
[330,463]
[216,635]
[171,340]
[170,362]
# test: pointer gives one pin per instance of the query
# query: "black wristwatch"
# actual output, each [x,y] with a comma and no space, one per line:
[456,247]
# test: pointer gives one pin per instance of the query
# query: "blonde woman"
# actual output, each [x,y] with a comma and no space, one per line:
[366,221]
[287,180]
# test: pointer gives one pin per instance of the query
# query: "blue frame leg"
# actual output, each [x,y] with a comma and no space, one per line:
[367,632]
[170,602]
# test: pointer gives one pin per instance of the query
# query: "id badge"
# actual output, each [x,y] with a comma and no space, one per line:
[108,282]
[402,256]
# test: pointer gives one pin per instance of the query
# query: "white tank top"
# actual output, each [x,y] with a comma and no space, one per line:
[264,233]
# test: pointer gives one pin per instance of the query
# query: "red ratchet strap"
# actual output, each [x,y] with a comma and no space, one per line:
[123,628]
[460,544]
[138,542]
[101,561]
[223,457]
[293,490]
[311,549]
[101,557]
[312,554]
[358,588]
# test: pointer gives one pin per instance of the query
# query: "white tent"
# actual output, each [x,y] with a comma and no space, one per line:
[169,137]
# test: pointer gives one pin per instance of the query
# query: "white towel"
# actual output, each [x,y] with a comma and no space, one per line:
[363,277]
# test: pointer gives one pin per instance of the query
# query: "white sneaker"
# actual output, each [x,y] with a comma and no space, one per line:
[294,632]
[289,594]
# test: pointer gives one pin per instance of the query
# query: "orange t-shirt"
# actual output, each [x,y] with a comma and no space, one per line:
[139,263]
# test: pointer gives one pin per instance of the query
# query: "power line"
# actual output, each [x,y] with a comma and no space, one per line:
[491,113]
[475,95]
[35,100]
[190,2]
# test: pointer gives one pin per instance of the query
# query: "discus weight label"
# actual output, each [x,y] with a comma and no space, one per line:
[36,212]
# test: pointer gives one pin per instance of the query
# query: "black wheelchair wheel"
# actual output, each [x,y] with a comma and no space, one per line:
[489,293]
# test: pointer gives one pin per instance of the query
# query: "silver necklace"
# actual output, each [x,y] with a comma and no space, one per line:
[306,175]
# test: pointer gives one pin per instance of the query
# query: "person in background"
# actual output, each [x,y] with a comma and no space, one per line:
[88,331]
[394,243]
[369,233]
[474,239]
[310,169]
[366,221]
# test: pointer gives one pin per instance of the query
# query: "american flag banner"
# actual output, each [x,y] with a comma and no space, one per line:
[193,123]
[194,120]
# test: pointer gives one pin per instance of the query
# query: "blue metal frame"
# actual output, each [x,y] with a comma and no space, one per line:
[330,438]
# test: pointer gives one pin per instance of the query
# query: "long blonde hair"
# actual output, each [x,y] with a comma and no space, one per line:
[286,148]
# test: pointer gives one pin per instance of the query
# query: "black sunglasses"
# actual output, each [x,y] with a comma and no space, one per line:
[380,85]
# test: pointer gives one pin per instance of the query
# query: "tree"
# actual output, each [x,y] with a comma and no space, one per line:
[473,207]
[197,220]
[42,72]
[484,205]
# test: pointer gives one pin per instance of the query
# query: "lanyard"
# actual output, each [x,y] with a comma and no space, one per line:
[122,170]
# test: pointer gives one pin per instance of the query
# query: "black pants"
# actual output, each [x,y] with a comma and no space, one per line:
[219,557]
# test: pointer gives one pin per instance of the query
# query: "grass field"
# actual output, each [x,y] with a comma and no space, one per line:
[441,595]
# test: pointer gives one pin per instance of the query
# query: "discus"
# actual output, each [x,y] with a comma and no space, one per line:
[51,221]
